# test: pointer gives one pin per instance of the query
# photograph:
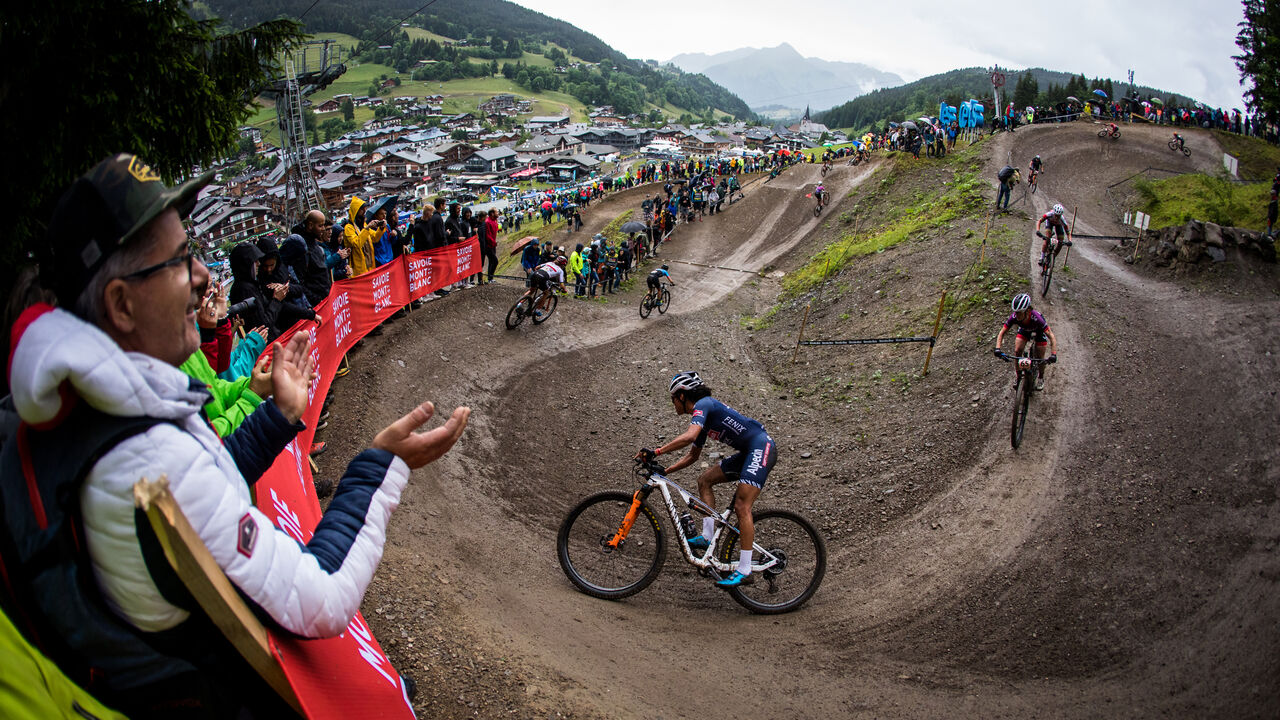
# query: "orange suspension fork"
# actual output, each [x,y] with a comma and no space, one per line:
[633,512]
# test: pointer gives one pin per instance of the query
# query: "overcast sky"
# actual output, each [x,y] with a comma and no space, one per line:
[1182,46]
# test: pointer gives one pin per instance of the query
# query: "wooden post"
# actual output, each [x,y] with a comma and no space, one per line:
[1075,212]
[800,337]
[194,564]
[982,250]
[937,325]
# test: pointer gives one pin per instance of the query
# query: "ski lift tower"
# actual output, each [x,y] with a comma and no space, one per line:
[302,192]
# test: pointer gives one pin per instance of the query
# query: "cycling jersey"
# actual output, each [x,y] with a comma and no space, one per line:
[721,422]
[1034,326]
[1036,164]
[654,280]
[551,271]
[756,451]
[1053,221]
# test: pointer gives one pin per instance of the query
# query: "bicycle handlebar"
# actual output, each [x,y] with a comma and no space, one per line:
[1034,361]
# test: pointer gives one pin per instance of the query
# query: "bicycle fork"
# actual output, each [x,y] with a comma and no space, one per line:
[629,519]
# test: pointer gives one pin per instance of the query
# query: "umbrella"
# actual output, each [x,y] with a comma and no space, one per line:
[1199,105]
[827,144]
[546,204]
[1100,94]
[909,125]
[1146,104]
[1157,101]
[1073,99]
[925,119]
[523,241]
[893,124]
[633,226]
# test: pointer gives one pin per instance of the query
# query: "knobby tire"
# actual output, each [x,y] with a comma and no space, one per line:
[1021,403]
[1046,273]
[776,591]
[646,305]
[613,574]
[664,302]
[517,313]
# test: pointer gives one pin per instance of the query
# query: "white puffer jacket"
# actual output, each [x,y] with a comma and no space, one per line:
[310,594]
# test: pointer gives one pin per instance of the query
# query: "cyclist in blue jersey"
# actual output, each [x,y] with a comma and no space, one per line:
[749,467]
[1031,327]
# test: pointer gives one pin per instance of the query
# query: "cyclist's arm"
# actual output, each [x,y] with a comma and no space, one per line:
[1000,336]
[684,439]
[1053,340]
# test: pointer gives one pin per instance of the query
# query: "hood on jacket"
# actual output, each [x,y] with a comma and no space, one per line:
[294,250]
[242,258]
[354,211]
[56,347]
[270,251]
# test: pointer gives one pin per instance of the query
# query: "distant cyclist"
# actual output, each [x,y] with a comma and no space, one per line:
[749,466]
[820,194]
[1179,141]
[654,281]
[1054,225]
[542,277]
[1032,327]
[1036,167]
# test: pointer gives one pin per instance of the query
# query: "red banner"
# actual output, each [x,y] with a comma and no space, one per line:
[349,675]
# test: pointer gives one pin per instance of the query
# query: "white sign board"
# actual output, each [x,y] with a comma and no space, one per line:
[1137,220]
[1128,218]
[1146,221]
[1231,164]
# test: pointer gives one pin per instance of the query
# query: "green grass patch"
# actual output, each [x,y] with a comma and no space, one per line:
[962,197]
[1258,159]
[1199,197]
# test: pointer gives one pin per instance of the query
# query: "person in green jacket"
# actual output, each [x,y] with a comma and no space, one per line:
[33,688]
[231,402]
[575,268]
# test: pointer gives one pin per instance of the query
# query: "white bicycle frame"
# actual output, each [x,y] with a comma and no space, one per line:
[762,559]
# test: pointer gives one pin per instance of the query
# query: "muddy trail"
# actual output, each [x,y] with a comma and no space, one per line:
[1122,562]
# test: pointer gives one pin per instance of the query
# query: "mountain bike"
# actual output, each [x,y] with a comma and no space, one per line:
[1105,132]
[524,308]
[1175,146]
[612,545]
[1023,386]
[1033,181]
[1048,259]
[660,300]
[821,203]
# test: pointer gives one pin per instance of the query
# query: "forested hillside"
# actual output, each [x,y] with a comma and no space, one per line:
[497,35]
[1035,86]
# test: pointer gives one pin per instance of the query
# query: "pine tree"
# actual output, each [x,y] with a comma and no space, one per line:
[1259,58]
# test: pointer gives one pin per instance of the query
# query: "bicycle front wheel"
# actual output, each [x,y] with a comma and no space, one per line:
[802,563]
[664,302]
[603,571]
[1021,404]
[1034,185]
[1046,273]
[551,307]
[517,313]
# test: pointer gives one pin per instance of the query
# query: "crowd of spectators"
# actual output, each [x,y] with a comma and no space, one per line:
[99,398]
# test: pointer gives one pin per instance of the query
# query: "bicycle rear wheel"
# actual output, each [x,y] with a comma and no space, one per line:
[551,307]
[602,571]
[802,556]
[517,313]
[646,305]
[664,302]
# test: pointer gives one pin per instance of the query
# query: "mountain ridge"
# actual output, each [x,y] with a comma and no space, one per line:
[780,75]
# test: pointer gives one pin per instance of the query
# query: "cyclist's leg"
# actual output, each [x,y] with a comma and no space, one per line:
[714,475]
[1019,342]
[760,459]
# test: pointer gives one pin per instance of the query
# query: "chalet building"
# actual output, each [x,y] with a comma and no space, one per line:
[454,153]
[233,223]
[491,160]
[543,122]
[547,144]
[568,168]
[329,106]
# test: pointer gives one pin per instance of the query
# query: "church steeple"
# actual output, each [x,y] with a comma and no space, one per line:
[806,114]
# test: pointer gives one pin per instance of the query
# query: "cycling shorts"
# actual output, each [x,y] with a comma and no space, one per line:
[1036,336]
[653,282]
[752,466]
[538,280]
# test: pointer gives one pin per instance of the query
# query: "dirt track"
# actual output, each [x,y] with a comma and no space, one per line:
[1122,563]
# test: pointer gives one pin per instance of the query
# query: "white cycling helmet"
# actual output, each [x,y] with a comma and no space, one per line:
[685,381]
[1058,209]
[1021,301]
